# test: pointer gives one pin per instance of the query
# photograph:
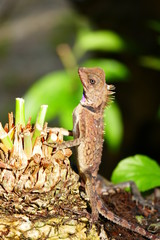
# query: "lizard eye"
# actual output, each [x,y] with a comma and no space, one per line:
[92,81]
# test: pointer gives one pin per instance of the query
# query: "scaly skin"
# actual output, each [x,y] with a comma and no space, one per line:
[88,124]
[88,127]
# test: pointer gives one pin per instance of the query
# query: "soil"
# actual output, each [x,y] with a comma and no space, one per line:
[122,205]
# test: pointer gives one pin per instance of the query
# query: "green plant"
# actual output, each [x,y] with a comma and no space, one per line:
[141,169]
[62,90]
[37,182]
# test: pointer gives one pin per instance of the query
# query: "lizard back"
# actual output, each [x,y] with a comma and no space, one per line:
[88,125]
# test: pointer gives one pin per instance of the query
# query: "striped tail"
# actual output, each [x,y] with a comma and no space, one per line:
[102,209]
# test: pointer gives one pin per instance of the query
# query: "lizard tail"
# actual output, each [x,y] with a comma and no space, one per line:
[102,209]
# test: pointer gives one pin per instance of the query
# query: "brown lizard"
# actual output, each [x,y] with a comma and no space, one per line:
[88,137]
[88,124]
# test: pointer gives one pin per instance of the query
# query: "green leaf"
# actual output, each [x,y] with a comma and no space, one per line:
[114,70]
[98,40]
[20,112]
[150,62]
[144,171]
[54,90]
[113,126]
[66,116]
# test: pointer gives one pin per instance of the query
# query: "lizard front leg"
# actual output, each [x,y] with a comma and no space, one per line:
[65,144]
[61,131]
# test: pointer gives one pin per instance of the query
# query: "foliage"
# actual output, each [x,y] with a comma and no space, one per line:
[113,126]
[98,40]
[62,91]
[144,171]
[114,70]
[55,90]
[151,62]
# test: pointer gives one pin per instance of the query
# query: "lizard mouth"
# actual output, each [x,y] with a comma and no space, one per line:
[84,93]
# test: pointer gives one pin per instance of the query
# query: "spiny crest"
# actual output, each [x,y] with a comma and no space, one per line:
[110,93]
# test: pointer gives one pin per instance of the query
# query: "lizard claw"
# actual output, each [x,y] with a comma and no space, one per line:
[144,203]
[154,227]
[52,145]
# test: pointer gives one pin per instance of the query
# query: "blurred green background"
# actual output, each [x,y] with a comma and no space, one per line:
[42,43]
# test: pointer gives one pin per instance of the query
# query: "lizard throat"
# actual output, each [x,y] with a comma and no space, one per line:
[92,109]
[89,108]
[83,97]
[88,105]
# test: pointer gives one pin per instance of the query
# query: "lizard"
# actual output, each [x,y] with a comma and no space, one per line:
[88,128]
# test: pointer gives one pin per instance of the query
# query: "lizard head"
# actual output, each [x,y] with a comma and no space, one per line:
[95,89]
